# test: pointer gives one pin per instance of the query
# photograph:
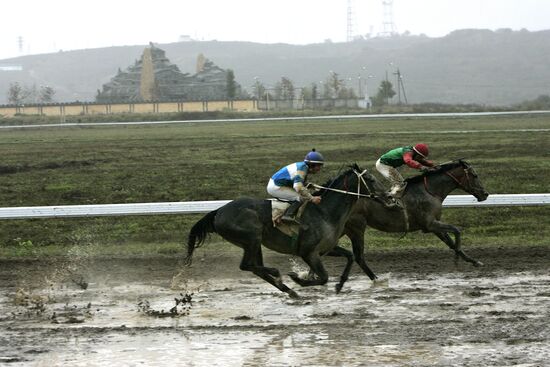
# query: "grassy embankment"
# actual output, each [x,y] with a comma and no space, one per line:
[218,161]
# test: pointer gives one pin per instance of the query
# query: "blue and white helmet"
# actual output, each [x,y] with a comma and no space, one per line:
[314,157]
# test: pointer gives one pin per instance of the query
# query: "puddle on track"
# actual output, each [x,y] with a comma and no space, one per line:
[468,318]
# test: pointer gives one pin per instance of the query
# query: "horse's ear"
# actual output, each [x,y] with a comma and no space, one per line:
[355,167]
[463,162]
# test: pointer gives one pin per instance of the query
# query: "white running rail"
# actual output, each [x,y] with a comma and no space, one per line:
[194,207]
[288,118]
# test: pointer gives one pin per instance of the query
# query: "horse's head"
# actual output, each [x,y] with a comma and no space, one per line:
[468,180]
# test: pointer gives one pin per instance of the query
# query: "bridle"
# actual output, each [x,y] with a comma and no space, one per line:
[463,182]
[347,192]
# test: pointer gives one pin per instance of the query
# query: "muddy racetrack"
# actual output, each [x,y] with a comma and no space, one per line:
[425,311]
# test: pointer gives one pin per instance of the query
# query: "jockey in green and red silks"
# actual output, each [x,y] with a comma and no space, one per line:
[412,156]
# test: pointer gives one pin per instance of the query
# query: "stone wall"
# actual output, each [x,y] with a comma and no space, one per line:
[78,109]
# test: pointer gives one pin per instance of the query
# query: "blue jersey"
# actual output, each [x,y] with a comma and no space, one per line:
[293,175]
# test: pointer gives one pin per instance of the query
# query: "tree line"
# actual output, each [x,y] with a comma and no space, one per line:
[20,94]
[332,87]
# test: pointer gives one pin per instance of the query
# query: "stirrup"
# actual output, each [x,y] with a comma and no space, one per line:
[288,219]
[388,197]
[392,205]
[392,202]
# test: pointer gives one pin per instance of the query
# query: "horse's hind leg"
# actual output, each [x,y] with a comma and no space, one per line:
[253,261]
[339,251]
[315,264]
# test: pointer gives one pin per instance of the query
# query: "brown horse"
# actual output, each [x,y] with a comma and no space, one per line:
[422,204]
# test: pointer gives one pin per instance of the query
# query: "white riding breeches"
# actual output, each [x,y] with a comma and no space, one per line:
[282,192]
[392,175]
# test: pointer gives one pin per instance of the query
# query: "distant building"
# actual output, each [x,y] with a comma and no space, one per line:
[154,78]
[185,38]
[11,68]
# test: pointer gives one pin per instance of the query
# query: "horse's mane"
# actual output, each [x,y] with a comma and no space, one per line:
[330,182]
[442,168]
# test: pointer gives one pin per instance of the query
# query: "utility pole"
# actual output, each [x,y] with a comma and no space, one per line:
[387,97]
[400,86]
[403,87]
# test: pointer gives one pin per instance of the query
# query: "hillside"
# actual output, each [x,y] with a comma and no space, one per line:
[466,66]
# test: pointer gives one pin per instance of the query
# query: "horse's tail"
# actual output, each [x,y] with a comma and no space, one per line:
[198,234]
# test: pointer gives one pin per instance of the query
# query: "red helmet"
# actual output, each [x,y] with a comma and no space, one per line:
[421,149]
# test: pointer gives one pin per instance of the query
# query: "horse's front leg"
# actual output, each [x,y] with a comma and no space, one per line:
[358,246]
[342,252]
[441,230]
[313,260]
[355,230]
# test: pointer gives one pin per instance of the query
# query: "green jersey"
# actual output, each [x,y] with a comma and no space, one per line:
[394,157]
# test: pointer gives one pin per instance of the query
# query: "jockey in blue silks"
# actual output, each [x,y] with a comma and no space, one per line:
[289,183]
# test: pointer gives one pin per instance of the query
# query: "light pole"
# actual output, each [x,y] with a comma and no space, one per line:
[256,87]
[364,102]
[299,97]
[360,80]
[367,99]
[348,93]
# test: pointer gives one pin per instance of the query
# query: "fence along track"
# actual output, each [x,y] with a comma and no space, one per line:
[196,207]
[290,118]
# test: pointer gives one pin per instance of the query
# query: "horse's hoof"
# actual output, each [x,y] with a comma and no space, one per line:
[338,288]
[292,275]
[478,263]
[293,294]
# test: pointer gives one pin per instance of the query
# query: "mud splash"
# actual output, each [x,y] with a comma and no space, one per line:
[445,316]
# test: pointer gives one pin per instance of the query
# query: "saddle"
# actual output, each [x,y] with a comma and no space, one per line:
[278,208]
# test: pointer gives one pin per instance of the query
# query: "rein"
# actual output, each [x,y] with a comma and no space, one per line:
[459,182]
[427,189]
[346,192]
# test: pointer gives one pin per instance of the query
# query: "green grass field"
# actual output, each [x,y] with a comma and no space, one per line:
[219,161]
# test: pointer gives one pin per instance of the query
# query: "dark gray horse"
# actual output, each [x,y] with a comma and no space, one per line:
[247,223]
[422,201]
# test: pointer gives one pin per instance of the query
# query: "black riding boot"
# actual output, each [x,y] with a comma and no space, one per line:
[290,213]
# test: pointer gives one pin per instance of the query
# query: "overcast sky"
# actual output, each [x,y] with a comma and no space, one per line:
[51,25]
